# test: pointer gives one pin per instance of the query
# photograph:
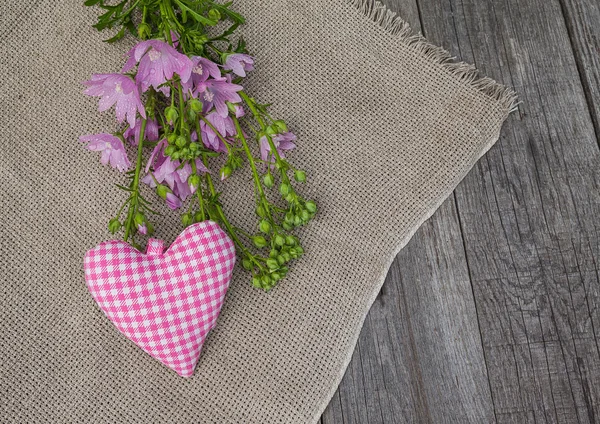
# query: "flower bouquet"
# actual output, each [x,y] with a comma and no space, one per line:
[182,107]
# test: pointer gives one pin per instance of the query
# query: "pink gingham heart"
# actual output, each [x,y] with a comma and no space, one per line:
[166,303]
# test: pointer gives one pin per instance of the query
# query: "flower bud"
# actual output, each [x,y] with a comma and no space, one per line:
[275,276]
[195,105]
[290,241]
[271,130]
[259,241]
[169,150]
[289,217]
[286,226]
[297,220]
[300,176]
[193,182]
[247,264]
[214,15]
[198,217]
[268,180]
[299,250]
[311,206]
[114,225]
[256,283]
[171,138]
[305,215]
[194,146]
[260,211]
[279,240]
[139,219]
[162,190]
[280,125]
[171,114]
[144,31]
[284,189]
[187,219]
[264,226]
[225,172]
[280,260]
[181,141]
[272,264]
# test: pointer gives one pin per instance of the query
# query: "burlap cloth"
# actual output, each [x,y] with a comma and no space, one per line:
[387,128]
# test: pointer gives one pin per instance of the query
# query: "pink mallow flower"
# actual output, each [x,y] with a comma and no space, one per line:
[158,61]
[283,142]
[216,92]
[119,89]
[142,228]
[133,133]
[202,69]
[239,63]
[112,148]
[224,125]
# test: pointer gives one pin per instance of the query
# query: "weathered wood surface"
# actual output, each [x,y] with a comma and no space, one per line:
[492,312]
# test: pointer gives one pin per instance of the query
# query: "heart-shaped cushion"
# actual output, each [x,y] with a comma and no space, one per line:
[166,303]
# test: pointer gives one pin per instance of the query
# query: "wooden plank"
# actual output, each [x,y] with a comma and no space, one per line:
[529,212]
[419,357]
[582,17]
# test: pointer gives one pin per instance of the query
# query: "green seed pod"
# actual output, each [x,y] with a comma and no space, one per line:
[169,150]
[299,250]
[300,176]
[266,280]
[311,206]
[289,217]
[195,105]
[280,260]
[256,283]
[290,241]
[279,240]
[284,189]
[259,241]
[287,227]
[247,264]
[297,220]
[273,253]
[260,211]
[198,217]
[175,155]
[287,256]
[280,125]
[171,138]
[171,114]
[181,141]
[187,219]
[268,180]
[114,225]
[275,276]
[193,146]
[305,216]
[271,130]
[272,264]
[264,226]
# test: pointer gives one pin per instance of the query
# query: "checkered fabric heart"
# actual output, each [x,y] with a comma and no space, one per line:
[166,303]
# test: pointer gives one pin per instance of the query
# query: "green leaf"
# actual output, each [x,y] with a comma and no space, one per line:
[91,2]
[197,17]
[117,36]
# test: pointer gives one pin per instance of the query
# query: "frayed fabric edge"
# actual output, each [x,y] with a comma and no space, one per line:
[465,72]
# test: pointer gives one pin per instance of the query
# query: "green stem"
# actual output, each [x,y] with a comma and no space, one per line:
[133,205]
[198,191]
[261,193]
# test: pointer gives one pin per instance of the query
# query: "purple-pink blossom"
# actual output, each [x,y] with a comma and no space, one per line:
[202,69]
[239,63]
[158,61]
[282,142]
[119,89]
[112,148]
[142,228]
[224,125]
[216,92]
[133,133]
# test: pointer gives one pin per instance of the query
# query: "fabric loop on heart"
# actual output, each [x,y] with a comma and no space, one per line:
[155,247]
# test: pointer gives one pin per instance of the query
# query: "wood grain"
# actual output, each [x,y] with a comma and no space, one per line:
[491,313]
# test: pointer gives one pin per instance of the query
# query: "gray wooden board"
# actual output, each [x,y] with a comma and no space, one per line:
[491,313]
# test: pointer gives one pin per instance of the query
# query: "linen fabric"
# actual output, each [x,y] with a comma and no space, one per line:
[387,126]
[166,303]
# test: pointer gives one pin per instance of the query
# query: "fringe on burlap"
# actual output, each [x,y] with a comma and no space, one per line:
[467,73]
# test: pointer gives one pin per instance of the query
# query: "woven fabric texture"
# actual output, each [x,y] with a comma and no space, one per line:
[386,127]
[166,303]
